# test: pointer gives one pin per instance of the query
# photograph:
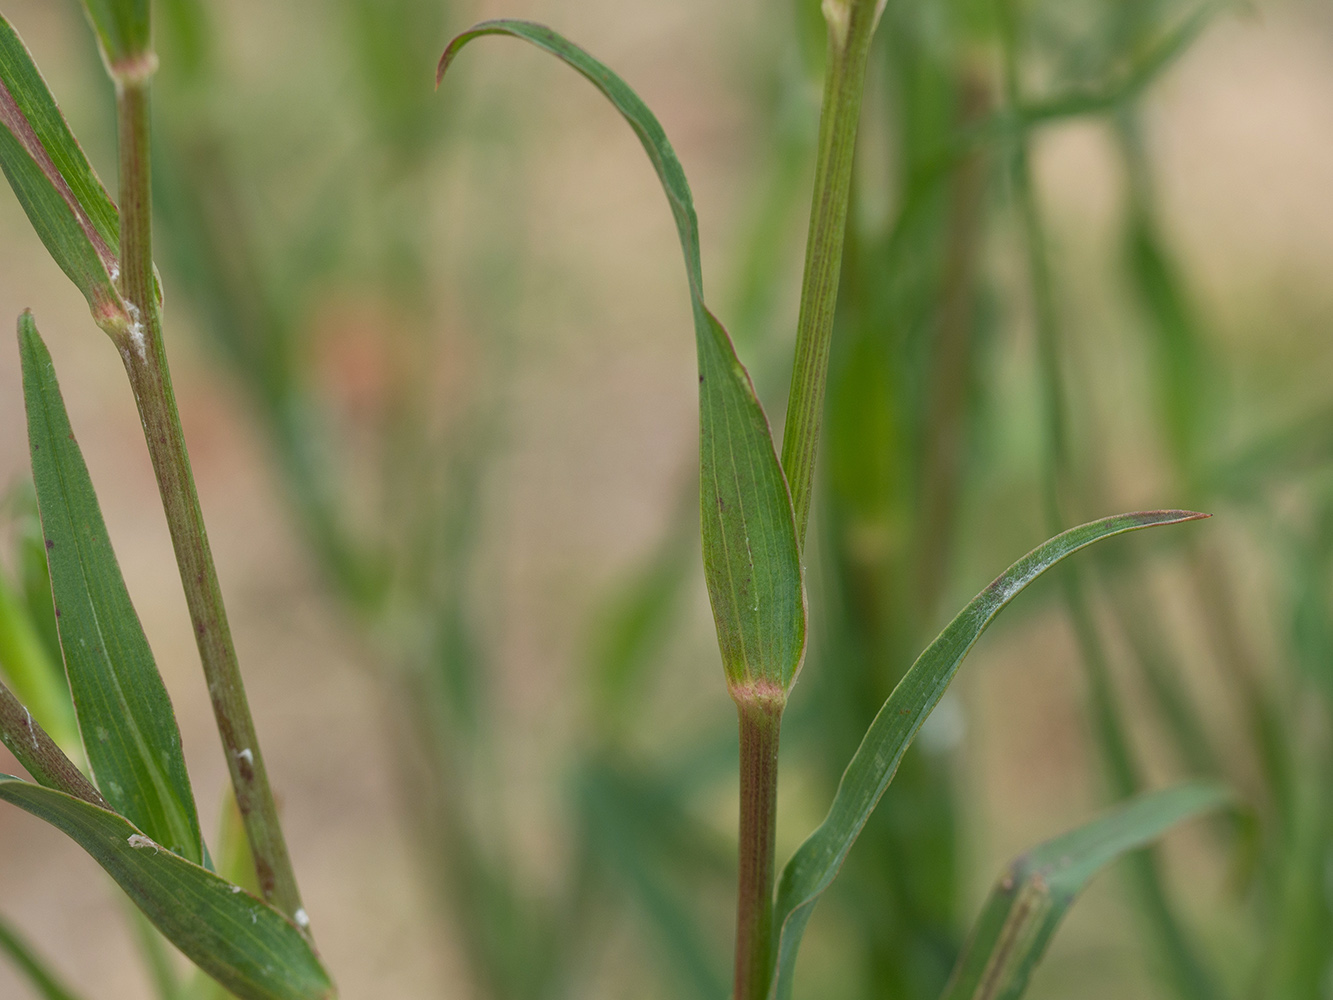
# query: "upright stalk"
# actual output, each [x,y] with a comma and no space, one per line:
[851,25]
[760,723]
[142,349]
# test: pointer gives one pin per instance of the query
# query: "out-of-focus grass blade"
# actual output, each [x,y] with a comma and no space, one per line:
[1143,73]
[632,827]
[1181,371]
[241,941]
[54,182]
[1029,901]
[751,557]
[816,862]
[43,980]
[123,31]
[38,683]
[129,728]
[1276,456]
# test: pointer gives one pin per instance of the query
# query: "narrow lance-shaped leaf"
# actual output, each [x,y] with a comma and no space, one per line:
[751,558]
[242,942]
[816,862]
[1027,904]
[128,726]
[55,184]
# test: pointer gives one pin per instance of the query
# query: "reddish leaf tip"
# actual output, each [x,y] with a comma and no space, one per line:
[1170,516]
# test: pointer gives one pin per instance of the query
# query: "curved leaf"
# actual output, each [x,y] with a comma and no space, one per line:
[125,716]
[751,557]
[816,862]
[54,182]
[1027,904]
[242,942]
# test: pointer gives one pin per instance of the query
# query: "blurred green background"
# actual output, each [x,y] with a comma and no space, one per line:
[433,357]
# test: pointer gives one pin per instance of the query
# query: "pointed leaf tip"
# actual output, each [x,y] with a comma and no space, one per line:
[817,861]
[124,713]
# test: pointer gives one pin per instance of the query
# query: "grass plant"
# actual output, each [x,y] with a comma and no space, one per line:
[897,319]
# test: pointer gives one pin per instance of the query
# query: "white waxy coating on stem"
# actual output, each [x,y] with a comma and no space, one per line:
[247,755]
[302,919]
[136,331]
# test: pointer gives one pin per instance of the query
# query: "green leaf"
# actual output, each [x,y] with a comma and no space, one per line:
[1027,904]
[43,980]
[816,862]
[123,31]
[751,558]
[125,716]
[55,184]
[242,942]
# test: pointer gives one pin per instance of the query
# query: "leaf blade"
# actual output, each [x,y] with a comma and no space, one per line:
[817,861]
[751,554]
[125,716]
[1025,908]
[64,200]
[244,943]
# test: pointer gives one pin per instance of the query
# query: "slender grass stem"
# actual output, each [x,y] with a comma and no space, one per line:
[851,26]
[144,353]
[760,725]
[39,754]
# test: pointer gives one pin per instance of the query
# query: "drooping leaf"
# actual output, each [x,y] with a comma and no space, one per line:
[816,862]
[239,940]
[54,182]
[128,726]
[123,30]
[751,557]
[1027,904]
[32,966]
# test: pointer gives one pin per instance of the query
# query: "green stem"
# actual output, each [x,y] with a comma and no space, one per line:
[144,354]
[851,26]
[760,726]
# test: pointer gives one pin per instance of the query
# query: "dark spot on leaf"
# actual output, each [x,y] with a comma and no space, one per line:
[57,612]
[50,544]
[701,379]
[201,628]
[721,504]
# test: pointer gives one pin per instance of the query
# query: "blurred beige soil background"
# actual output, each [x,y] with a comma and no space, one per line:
[602,434]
